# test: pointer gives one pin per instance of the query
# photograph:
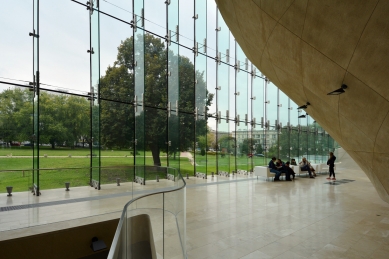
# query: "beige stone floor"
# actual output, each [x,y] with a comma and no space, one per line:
[240,219]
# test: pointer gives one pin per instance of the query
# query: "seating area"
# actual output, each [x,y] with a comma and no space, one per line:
[264,171]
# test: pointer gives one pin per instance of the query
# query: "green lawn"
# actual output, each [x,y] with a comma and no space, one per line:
[62,151]
[63,167]
[50,179]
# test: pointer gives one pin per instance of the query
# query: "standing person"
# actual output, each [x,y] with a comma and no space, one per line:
[273,169]
[304,165]
[331,164]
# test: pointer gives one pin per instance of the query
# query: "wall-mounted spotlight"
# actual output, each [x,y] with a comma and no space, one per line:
[303,115]
[338,91]
[304,106]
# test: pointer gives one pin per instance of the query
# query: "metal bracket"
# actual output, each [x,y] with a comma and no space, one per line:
[253,71]
[237,66]
[33,34]
[143,17]
[177,33]
[91,51]
[196,113]
[196,49]
[169,37]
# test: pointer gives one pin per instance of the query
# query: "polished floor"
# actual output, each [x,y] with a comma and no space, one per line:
[239,218]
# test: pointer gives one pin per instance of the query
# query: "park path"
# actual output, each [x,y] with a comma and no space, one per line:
[189,156]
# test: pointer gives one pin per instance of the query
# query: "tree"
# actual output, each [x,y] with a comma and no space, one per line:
[15,114]
[63,119]
[154,130]
[246,147]
[259,149]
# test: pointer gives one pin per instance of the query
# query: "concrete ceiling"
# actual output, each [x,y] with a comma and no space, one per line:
[310,48]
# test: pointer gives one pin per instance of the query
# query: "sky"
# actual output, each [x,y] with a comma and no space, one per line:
[64,41]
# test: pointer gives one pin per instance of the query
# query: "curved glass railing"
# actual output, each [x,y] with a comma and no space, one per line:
[118,185]
[154,225]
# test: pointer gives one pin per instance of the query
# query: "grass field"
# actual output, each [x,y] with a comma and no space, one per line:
[59,162]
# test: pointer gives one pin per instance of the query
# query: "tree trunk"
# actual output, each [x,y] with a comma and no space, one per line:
[155,151]
[53,145]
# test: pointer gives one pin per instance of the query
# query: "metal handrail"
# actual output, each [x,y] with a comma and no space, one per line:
[122,217]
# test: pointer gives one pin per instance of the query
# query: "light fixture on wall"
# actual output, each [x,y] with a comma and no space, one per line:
[304,106]
[303,116]
[338,91]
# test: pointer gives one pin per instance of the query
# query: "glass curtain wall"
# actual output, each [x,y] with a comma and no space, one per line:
[163,83]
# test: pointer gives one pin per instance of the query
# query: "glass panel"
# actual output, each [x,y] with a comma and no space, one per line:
[36,87]
[174,221]
[140,41]
[16,145]
[155,16]
[155,137]
[243,140]
[284,142]
[309,152]
[303,137]
[173,86]
[95,92]
[15,45]
[72,73]
[117,129]
[283,121]
[211,13]
[271,108]
[186,29]
[200,153]
[64,128]
[204,99]
[294,144]
[187,145]
[119,9]
[224,143]
[224,146]
[187,86]
[257,107]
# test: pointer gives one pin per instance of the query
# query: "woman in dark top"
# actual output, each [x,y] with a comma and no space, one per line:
[331,165]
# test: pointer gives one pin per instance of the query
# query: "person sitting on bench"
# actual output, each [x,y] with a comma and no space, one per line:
[273,169]
[305,166]
[288,171]
[293,162]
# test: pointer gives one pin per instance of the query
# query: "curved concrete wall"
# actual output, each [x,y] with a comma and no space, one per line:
[310,48]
